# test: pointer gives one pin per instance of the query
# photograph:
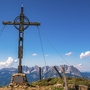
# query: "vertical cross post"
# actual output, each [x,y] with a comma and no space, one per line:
[20,41]
[21,23]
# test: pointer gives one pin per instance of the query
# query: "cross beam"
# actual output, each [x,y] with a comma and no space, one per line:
[21,22]
[18,23]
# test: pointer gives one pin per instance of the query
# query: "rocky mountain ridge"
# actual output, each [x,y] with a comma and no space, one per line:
[33,73]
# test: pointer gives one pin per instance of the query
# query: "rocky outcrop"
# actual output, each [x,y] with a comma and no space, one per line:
[78,87]
[18,79]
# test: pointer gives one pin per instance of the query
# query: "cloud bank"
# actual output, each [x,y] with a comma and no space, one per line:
[68,54]
[8,62]
[86,54]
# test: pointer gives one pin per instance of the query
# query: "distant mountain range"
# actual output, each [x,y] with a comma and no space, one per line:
[46,72]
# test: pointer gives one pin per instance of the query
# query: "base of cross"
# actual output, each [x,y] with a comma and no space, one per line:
[19,79]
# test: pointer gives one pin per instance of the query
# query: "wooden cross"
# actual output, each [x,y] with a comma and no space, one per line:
[21,22]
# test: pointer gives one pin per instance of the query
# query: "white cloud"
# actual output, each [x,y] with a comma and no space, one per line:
[68,54]
[86,54]
[79,65]
[15,60]
[8,62]
[47,55]
[34,54]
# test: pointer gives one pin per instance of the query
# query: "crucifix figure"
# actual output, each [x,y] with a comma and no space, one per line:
[21,23]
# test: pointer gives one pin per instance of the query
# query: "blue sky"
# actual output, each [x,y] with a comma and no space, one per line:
[65,23]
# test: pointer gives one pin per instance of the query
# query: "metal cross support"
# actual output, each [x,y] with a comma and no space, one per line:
[21,23]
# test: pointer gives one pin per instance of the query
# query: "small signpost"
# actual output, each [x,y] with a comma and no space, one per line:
[21,23]
[63,71]
[40,73]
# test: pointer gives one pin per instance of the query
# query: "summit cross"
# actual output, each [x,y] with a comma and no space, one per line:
[21,23]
